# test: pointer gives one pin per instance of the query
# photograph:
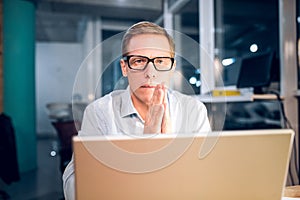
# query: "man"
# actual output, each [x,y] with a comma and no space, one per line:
[148,105]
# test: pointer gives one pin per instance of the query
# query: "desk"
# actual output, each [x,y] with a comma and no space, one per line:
[247,97]
[250,109]
[292,191]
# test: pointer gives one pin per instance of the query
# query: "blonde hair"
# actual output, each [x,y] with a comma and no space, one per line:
[146,27]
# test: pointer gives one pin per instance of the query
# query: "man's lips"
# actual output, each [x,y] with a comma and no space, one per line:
[148,86]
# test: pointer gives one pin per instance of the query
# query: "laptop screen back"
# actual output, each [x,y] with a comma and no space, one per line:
[241,165]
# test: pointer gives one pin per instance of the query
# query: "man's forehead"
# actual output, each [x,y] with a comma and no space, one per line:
[149,42]
[150,49]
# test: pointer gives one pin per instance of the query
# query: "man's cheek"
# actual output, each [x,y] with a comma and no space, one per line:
[164,77]
[135,81]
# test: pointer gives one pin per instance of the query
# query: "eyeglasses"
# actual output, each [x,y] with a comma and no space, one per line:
[140,63]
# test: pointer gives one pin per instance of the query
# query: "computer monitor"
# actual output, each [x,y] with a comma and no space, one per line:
[255,71]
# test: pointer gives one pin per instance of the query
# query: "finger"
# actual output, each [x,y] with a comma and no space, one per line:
[158,95]
[166,126]
[157,113]
[154,118]
[165,100]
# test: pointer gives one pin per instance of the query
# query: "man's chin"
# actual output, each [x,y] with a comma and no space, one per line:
[142,94]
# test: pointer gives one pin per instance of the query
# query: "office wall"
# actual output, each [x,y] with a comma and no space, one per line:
[56,68]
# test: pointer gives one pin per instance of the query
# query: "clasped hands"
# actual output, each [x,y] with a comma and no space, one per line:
[158,117]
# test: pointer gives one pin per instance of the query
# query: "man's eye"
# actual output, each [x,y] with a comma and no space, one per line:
[160,61]
[138,61]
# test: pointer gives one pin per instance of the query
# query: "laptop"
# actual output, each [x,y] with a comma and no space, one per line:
[248,165]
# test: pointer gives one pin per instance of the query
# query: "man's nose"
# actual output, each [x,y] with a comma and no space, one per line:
[150,71]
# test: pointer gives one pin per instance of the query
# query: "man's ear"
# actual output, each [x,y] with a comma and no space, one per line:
[123,67]
[174,65]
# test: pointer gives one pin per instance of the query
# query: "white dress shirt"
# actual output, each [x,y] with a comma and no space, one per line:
[115,114]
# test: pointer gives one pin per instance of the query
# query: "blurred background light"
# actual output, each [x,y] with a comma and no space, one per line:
[228,61]
[253,48]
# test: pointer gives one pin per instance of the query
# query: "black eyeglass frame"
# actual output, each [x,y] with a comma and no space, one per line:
[126,58]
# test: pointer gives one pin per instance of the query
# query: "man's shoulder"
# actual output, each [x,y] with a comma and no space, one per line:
[185,99]
[180,96]
[107,99]
[110,96]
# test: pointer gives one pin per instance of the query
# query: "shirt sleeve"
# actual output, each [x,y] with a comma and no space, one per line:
[69,181]
[90,126]
[197,117]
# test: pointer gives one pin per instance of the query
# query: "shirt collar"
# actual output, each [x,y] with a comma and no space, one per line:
[127,107]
